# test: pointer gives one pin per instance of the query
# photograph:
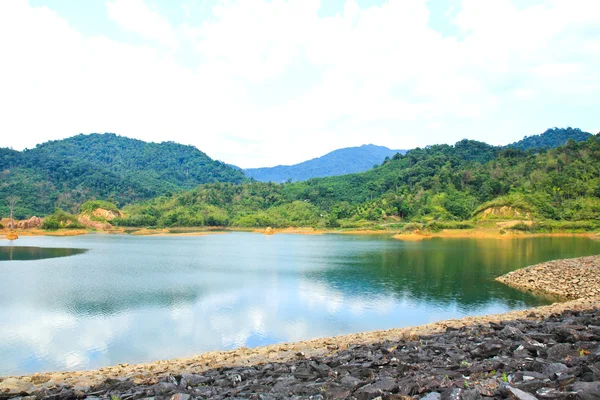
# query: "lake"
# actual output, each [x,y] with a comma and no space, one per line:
[130,299]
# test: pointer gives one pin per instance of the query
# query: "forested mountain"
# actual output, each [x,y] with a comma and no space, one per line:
[339,162]
[552,138]
[66,173]
[438,183]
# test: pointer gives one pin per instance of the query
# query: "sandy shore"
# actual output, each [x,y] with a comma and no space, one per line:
[476,233]
[484,234]
[42,232]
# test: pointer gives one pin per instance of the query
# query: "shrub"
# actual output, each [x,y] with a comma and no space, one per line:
[61,220]
[91,205]
[437,226]
[135,221]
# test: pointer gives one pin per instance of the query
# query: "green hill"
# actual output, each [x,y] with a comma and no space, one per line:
[338,162]
[551,138]
[66,173]
[438,183]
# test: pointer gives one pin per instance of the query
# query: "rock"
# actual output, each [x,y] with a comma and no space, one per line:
[195,380]
[517,394]
[587,390]
[180,396]
[554,394]
[471,394]
[432,396]
[163,388]
[16,386]
[555,368]
[452,394]
[350,381]
[379,387]
[562,351]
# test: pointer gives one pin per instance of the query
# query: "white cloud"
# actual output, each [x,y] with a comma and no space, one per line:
[135,16]
[379,74]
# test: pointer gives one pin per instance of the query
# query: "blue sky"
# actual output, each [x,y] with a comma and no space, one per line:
[266,82]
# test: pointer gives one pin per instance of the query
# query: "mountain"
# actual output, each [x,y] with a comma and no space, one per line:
[437,184]
[339,162]
[550,139]
[66,173]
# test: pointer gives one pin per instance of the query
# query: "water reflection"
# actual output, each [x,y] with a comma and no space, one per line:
[135,299]
[22,253]
[442,271]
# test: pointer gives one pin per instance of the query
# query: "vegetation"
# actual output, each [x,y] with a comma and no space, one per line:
[66,173]
[339,162]
[551,138]
[92,205]
[436,187]
[433,188]
[61,220]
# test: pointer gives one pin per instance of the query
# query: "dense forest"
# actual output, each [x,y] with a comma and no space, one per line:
[550,139]
[168,184]
[66,173]
[348,160]
[437,183]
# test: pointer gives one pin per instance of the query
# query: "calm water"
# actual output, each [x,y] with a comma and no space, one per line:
[23,253]
[134,299]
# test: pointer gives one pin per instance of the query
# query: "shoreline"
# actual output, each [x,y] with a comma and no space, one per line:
[282,352]
[330,346]
[475,233]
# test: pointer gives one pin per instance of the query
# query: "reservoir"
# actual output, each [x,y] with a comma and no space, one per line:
[73,303]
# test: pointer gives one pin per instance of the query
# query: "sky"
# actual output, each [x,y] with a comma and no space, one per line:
[266,82]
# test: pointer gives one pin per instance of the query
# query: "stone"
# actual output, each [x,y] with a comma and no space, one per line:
[471,394]
[555,368]
[380,387]
[562,351]
[432,396]
[180,396]
[517,394]
[350,381]
[16,386]
[452,394]
[587,390]
[554,394]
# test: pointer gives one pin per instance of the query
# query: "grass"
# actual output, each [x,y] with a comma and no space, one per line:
[548,226]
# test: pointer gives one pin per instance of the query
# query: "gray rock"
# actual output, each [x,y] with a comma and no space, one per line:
[555,368]
[377,388]
[554,394]
[517,394]
[180,396]
[471,394]
[452,394]
[164,388]
[432,396]
[350,381]
[562,351]
[195,380]
[587,390]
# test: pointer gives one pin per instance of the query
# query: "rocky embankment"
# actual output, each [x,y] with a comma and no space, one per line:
[571,278]
[550,352]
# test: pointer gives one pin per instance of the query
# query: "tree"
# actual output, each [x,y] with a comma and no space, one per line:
[12,202]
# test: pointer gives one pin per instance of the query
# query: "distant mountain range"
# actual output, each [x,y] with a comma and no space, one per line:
[66,173]
[339,162]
